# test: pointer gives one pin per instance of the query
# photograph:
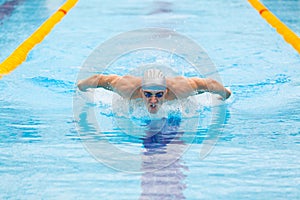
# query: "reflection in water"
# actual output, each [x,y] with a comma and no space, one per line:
[161,162]
[164,142]
[161,7]
[8,7]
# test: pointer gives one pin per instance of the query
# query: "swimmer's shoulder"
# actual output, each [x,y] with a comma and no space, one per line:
[179,87]
[177,82]
[128,86]
[129,80]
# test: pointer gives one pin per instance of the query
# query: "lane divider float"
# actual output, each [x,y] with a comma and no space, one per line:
[288,35]
[19,55]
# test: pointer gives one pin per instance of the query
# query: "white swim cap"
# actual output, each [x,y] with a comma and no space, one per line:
[154,79]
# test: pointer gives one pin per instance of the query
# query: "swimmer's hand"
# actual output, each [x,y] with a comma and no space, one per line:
[81,86]
[91,82]
[226,95]
[228,92]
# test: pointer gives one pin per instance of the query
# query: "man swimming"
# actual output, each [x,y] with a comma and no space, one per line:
[154,88]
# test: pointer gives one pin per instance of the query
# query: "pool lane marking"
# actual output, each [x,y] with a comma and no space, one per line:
[63,11]
[263,10]
[19,55]
[288,35]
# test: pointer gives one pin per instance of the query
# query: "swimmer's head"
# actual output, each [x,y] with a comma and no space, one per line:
[154,79]
[154,89]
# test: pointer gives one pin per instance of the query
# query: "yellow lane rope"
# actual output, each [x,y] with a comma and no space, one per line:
[289,36]
[21,52]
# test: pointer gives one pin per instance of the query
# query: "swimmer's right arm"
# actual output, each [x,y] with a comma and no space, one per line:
[107,82]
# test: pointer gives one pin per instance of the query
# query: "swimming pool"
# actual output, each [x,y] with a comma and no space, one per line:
[255,157]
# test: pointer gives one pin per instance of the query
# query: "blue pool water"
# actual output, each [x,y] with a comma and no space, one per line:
[42,155]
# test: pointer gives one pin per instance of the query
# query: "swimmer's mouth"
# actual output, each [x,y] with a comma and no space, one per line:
[152,105]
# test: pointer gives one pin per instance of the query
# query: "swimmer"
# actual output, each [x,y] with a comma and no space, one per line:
[154,88]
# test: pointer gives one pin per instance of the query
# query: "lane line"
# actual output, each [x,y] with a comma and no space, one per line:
[19,55]
[288,35]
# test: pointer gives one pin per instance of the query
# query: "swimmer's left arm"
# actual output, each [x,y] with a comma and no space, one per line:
[209,85]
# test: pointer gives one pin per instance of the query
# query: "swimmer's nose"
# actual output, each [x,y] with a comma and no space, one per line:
[153,99]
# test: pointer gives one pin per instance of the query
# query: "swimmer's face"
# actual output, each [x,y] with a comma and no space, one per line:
[153,99]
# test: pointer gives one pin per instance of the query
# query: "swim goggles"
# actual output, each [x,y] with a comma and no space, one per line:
[150,94]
